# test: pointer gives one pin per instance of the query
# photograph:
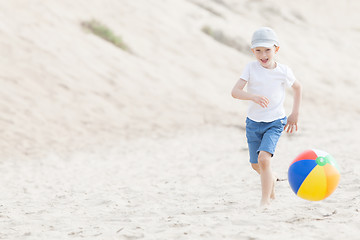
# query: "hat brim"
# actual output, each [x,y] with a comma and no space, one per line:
[263,44]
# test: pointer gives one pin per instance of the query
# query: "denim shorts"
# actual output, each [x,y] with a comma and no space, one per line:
[263,136]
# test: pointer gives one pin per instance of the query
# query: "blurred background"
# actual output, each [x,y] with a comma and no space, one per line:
[79,74]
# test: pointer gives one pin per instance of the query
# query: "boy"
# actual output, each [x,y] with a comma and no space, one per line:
[266,82]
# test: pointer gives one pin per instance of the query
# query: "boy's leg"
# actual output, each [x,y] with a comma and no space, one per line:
[256,167]
[267,179]
[266,151]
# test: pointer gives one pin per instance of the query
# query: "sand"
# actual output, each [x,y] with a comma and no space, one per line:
[100,143]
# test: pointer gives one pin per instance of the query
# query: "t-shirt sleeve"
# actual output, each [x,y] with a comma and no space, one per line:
[246,73]
[290,77]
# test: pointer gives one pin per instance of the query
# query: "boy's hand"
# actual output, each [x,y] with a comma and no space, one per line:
[291,125]
[262,101]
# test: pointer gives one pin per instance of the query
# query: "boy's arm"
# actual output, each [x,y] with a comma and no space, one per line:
[293,118]
[239,93]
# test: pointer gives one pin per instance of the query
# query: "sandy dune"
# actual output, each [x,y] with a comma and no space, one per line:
[100,143]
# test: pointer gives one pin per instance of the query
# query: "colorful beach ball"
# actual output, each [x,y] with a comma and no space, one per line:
[314,175]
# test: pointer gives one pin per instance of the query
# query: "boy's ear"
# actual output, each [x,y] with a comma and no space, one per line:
[253,50]
[277,49]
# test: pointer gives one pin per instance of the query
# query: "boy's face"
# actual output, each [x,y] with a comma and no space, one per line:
[266,56]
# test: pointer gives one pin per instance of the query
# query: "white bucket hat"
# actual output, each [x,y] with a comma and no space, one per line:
[264,37]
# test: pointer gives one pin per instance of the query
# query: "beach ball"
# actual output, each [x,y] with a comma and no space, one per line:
[314,175]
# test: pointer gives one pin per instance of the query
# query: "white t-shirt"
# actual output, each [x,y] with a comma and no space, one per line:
[270,83]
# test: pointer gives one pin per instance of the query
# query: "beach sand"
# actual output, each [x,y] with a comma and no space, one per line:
[101,143]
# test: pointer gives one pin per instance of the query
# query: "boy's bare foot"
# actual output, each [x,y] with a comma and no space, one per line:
[264,204]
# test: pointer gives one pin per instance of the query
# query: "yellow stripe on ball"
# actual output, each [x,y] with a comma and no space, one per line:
[314,187]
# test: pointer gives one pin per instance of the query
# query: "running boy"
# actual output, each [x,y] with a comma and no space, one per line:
[266,81]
